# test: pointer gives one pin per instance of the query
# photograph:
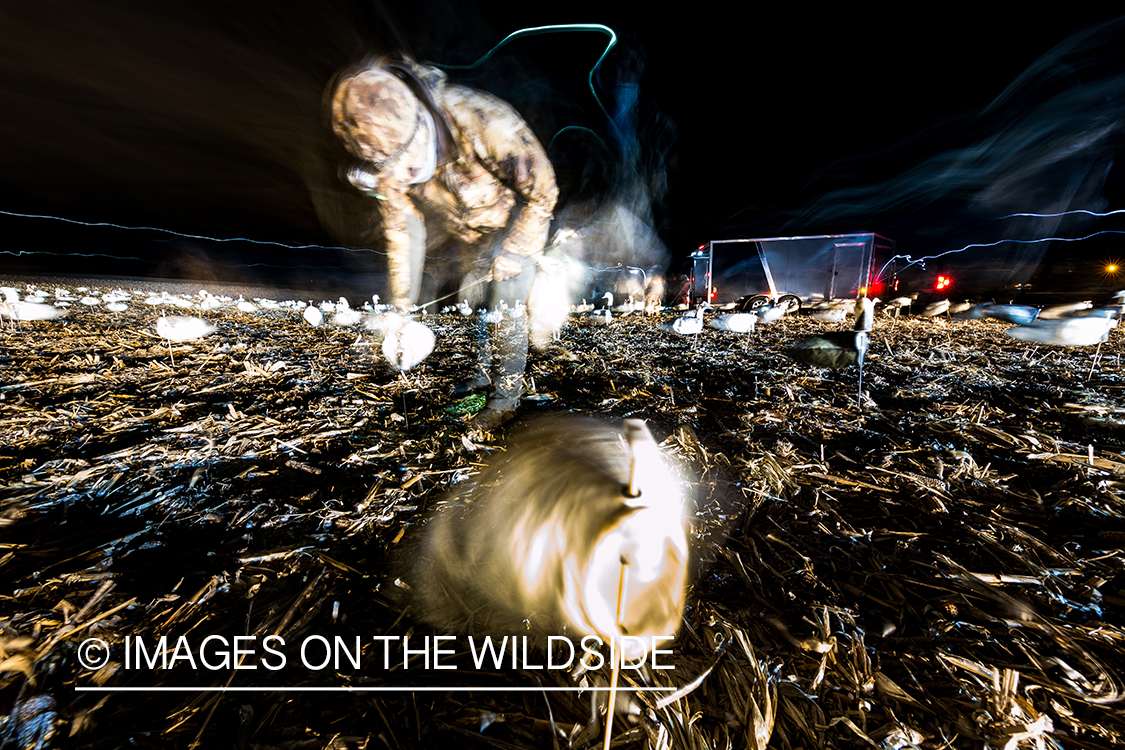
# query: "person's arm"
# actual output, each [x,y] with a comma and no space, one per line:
[504,144]
[404,230]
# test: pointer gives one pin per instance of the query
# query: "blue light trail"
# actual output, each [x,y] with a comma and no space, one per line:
[922,261]
[165,231]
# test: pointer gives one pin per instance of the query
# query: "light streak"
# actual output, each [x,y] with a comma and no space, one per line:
[922,261]
[552,29]
[1067,213]
[18,253]
[562,130]
[167,231]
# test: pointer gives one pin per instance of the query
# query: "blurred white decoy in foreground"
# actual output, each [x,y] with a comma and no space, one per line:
[406,343]
[579,527]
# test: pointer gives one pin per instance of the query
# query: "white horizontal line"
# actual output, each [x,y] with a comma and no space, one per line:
[368,689]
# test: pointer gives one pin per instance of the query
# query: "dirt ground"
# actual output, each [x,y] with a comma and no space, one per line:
[939,565]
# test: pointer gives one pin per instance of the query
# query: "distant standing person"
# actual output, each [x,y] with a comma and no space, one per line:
[455,171]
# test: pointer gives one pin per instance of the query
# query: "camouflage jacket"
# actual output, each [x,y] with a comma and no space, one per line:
[496,176]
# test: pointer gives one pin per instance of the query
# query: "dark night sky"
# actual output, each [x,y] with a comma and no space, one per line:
[206,118]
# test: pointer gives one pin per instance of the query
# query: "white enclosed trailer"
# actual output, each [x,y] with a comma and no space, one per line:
[792,270]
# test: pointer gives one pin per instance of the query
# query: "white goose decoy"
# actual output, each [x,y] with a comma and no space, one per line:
[1018,314]
[345,316]
[15,310]
[579,524]
[583,308]
[183,328]
[495,315]
[935,309]
[686,325]
[406,343]
[628,307]
[373,305]
[735,322]
[838,349]
[865,314]
[896,305]
[1054,312]
[603,316]
[1065,331]
[548,304]
[1102,311]
[177,301]
[313,316]
[830,314]
[768,314]
[207,301]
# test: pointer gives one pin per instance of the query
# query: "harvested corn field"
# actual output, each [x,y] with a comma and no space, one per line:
[938,564]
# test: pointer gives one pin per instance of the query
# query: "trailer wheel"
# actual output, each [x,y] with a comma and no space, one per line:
[751,304]
[791,303]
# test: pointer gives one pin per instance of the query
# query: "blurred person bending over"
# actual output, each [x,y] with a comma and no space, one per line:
[457,173]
